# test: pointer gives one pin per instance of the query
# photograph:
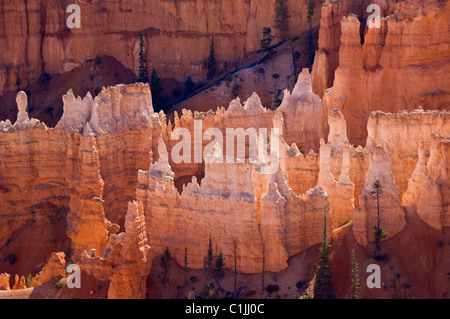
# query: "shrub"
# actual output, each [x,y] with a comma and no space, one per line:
[12,259]
[272,288]
[228,78]
[29,280]
[301,284]
[193,279]
[59,284]
[207,291]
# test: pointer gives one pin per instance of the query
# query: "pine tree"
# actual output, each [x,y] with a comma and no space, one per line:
[235,268]
[185,266]
[266,42]
[281,17]
[143,71]
[263,266]
[211,61]
[208,260]
[165,258]
[310,10]
[354,276]
[156,88]
[218,267]
[189,86]
[323,285]
[380,233]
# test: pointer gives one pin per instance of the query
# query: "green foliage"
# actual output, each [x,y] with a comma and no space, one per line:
[377,185]
[218,267]
[29,280]
[310,10]
[208,260]
[59,284]
[323,284]
[380,233]
[157,89]
[354,276]
[266,42]
[143,71]
[207,291]
[309,41]
[98,60]
[185,266]
[211,61]
[281,17]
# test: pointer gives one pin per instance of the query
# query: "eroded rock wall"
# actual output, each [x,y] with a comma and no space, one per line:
[388,74]
[177,34]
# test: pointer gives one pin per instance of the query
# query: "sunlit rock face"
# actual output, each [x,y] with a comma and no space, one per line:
[387,74]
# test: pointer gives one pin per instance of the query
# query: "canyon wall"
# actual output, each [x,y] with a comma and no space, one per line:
[74,165]
[34,37]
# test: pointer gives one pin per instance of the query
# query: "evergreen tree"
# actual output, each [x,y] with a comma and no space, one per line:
[323,284]
[218,267]
[235,267]
[208,260]
[211,61]
[310,10]
[188,86]
[143,71]
[380,233]
[185,266]
[266,42]
[156,88]
[354,276]
[263,266]
[165,258]
[281,17]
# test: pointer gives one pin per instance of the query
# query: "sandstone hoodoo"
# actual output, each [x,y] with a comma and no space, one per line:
[111,199]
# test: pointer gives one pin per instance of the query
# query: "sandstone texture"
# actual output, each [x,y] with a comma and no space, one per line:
[114,177]
[177,35]
[382,74]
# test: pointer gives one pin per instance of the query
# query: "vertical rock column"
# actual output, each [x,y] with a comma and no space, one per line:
[392,215]
[86,222]
[129,279]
